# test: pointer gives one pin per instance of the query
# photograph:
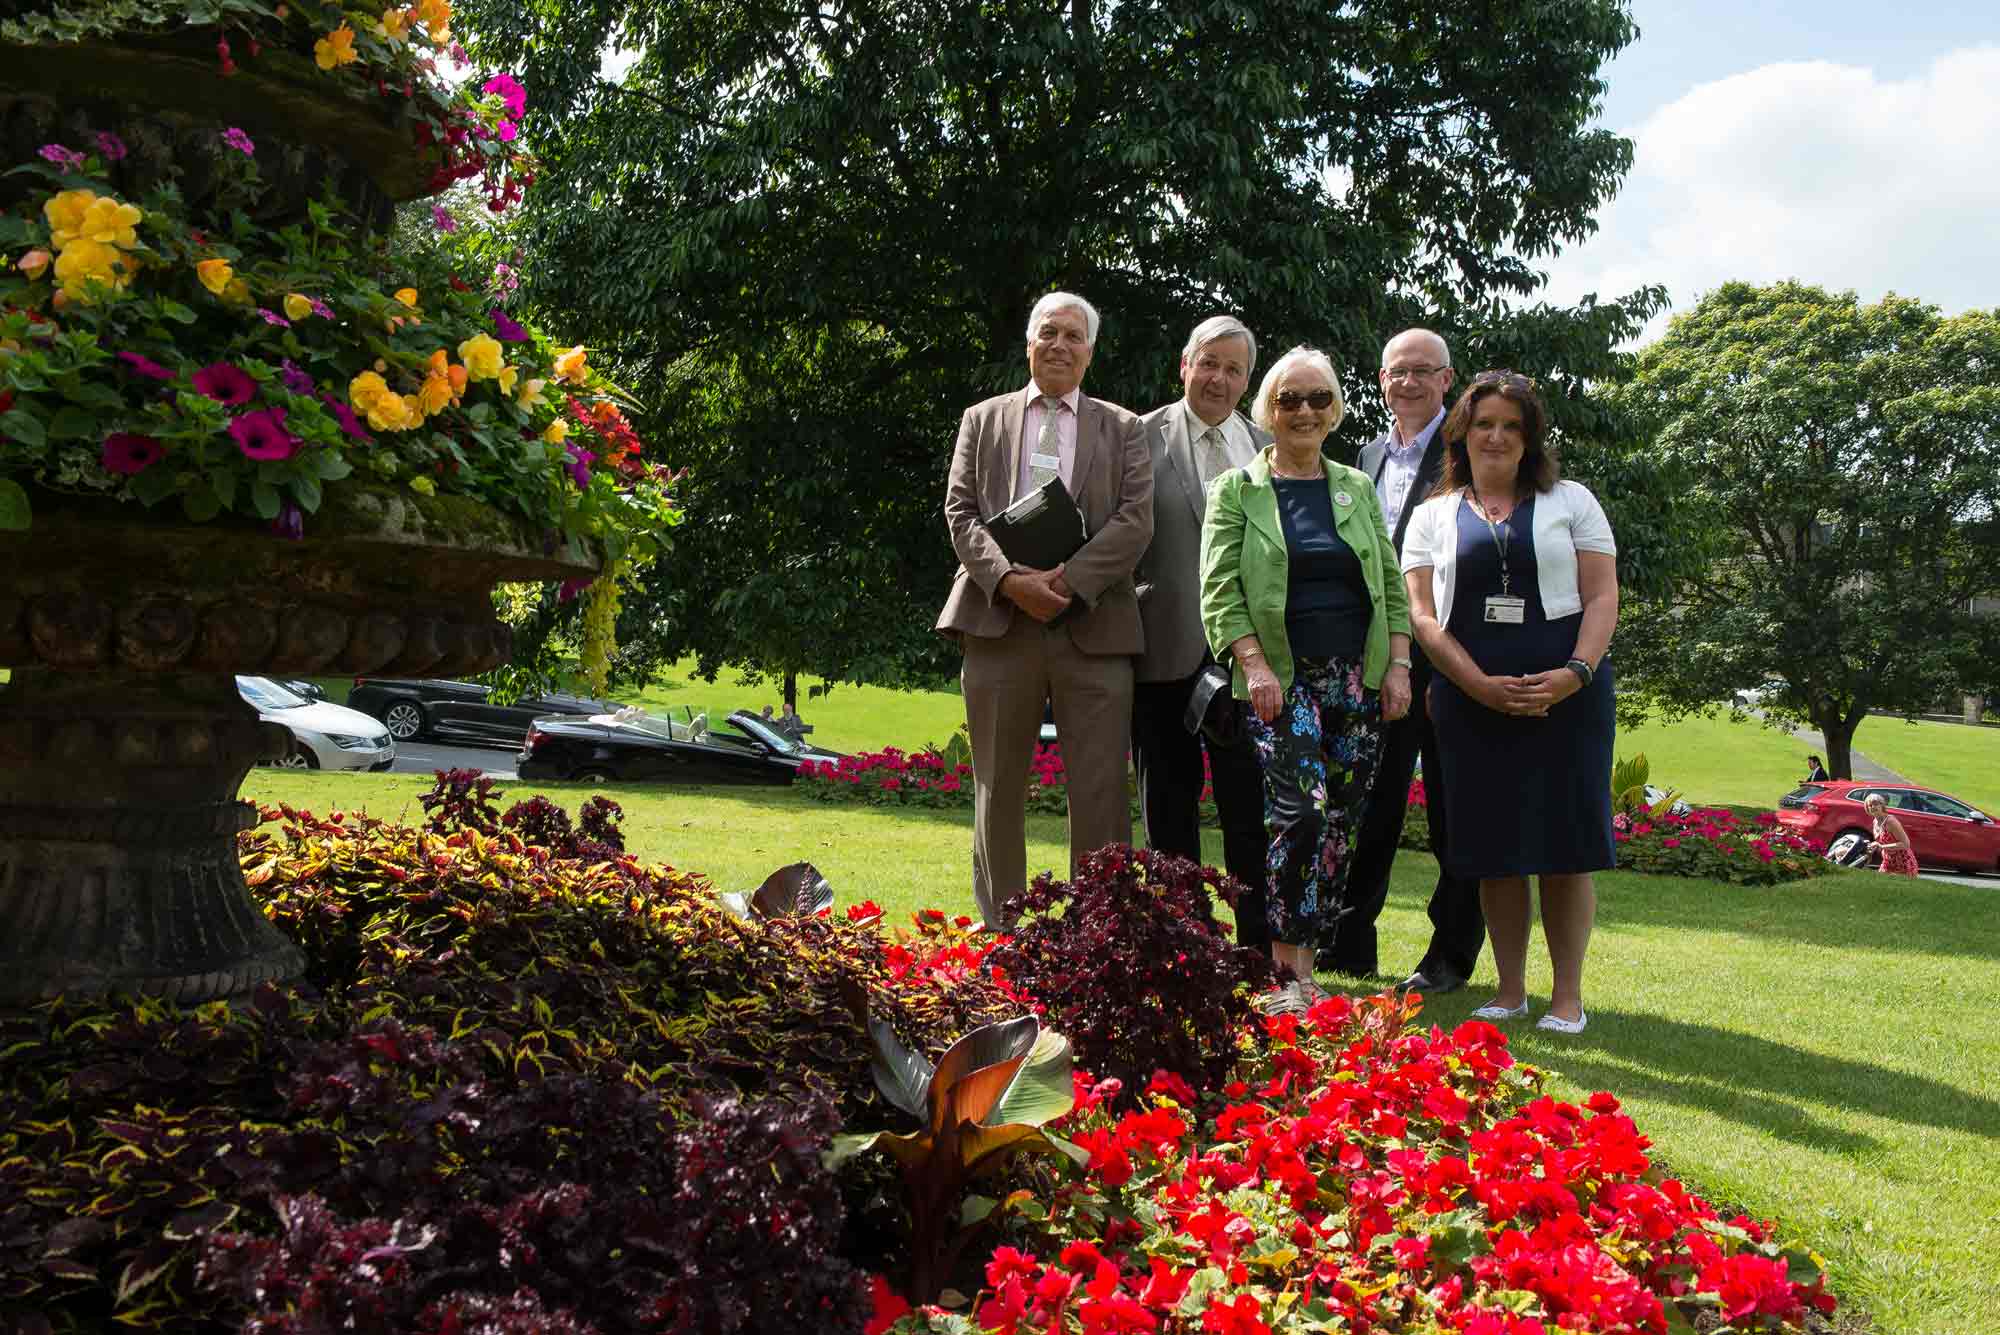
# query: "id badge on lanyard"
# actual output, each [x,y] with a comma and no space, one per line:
[1502,608]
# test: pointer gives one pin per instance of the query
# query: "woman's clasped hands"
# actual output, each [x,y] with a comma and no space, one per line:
[1531,696]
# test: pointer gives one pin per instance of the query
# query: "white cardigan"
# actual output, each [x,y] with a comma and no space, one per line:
[1568,520]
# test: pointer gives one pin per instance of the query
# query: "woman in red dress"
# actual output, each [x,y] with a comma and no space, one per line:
[1898,858]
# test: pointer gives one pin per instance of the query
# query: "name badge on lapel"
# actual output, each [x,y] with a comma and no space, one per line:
[1341,498]
[1505,611]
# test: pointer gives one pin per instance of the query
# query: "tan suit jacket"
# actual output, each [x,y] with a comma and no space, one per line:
[1112,481]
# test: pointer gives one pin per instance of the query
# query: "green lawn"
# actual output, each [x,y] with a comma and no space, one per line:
[1713,760]
[1819,1053]
[1963,761]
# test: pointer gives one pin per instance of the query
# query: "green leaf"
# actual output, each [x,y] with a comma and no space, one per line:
[305,487]
[975,1209]
[263,499]
[15,512]
[1042,1090]
[72,423]
[201,505]
[173,310]
[847,1146]
[23,426]
[222,483]
[157,483]
[330,466]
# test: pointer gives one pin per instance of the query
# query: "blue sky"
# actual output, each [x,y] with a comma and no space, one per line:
[1840,144]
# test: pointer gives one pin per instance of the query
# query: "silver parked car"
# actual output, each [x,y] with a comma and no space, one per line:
[324,735]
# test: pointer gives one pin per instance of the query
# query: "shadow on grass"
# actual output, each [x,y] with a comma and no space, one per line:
[1736,1076]
[1850,911]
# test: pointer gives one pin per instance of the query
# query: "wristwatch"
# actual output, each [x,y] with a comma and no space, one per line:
[1581,669]
[1399,662]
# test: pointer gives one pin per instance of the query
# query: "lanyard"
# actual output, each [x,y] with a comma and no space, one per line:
[1500,536]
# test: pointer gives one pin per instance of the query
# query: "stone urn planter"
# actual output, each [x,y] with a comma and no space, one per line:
[123,741]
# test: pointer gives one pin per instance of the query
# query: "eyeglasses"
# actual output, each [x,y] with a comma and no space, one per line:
[1319,400]
[1411,372]
[1513,378]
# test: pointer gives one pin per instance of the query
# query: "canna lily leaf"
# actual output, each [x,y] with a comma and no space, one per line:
[1042,1090]
[903,1076]
[795,891]
[975,1071]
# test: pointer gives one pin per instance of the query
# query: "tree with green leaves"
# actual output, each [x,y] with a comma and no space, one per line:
[809,237]
[1844,466]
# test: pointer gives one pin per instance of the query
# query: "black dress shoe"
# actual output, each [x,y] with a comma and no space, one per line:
[1434,985]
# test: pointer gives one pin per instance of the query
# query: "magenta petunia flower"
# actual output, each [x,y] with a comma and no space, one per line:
[512,94]
[442,219]
[295,379]
[145,366]
[239,141]
[262,435]
[320,308]
[579,464]
[349,423]
[225,384]
[506,329]
[290,523]
[67,159]
[272,317]
[127,453]
[505,131]
[111,146]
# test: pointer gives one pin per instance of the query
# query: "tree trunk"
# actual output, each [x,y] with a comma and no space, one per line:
[791,691]
[1838,734]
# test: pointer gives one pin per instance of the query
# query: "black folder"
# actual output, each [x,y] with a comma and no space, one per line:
[1041,530]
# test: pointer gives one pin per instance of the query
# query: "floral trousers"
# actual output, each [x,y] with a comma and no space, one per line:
[1319,757]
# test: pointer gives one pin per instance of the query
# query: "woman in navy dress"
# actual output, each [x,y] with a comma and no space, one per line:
[1513,583]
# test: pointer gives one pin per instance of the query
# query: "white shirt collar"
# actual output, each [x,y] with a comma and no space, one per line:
[1401,448]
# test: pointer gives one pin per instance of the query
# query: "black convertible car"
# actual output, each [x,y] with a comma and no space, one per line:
[459,710]
[637,747]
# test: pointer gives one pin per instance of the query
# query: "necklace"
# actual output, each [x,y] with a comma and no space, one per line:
[1319,471]
[1488,510]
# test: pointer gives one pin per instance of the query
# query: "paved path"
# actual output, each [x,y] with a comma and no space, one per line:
[424,757]
[1865,770]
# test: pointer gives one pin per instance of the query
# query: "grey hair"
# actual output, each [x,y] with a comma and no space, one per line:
[1267,390]
[1444,348]
[1216,328]
[1059,301]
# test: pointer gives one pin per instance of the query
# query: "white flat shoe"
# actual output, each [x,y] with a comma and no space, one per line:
[1555,1024]
[1496,1013]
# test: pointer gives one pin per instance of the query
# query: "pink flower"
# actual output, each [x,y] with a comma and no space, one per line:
[320,308]
[145,366]
[111,146]
[262,435]
[290,523]
[67,159]
[224,383]
[126,453]
[442,219]
[512,94]
[236,139]
[349,423]
[272,317]
[505,132]
[506,330]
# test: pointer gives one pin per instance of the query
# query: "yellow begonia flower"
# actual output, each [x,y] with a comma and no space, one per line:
[110,223]
[296,306]
[408,296]
[425,485]
[83,262]
[435,396]
[572,366]
[237,293]
[506,378]
[482,355]
[366,388]
[33,263]
[215,275]
[531,393]
[557,432]
[336,48]
[65,213]
[435,15]
[395,25]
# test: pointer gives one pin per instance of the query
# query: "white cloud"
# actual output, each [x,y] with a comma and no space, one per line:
[1818,172]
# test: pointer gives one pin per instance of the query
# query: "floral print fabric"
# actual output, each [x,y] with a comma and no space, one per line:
[1319,757]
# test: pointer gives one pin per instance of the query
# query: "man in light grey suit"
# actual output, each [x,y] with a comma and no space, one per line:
[1064,636]
[1191,442]
[1404,463]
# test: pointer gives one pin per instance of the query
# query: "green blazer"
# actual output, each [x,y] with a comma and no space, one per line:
[1245,568]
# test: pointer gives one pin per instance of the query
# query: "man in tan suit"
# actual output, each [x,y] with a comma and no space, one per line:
[1000,613]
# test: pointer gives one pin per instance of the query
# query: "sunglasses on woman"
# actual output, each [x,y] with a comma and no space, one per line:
[1319,400]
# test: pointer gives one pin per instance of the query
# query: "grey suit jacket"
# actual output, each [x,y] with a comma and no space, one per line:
[1175,645]
[1112,482]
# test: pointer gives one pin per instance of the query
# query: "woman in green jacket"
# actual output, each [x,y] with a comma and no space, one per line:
[1300,588]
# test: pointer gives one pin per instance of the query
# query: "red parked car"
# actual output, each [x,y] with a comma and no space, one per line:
[1944,831]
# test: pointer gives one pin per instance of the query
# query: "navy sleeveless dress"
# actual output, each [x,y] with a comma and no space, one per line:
[1522,795]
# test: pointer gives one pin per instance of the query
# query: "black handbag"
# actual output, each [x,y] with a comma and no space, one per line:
[1212,712]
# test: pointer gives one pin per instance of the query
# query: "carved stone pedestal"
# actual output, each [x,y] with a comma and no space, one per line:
[123,740]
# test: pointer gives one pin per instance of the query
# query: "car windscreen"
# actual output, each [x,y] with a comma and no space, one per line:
[263,693]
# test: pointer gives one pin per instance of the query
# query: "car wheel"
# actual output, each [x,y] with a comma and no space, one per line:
[299,756]
[1848,849]
[404,719]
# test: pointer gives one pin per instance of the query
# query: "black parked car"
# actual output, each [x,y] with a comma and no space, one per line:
[459,710]
[633,746]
